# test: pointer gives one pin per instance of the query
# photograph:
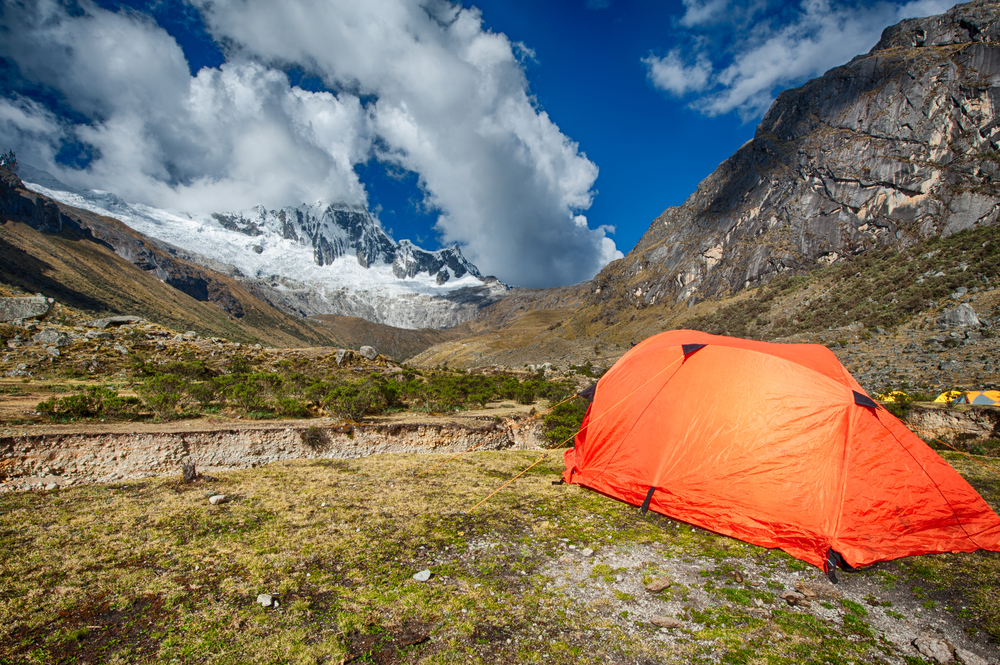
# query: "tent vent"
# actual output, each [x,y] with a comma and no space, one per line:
[645,504]
[691,348]
[588,392]
[864,400]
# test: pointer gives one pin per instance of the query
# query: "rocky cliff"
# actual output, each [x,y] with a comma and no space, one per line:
[900,144]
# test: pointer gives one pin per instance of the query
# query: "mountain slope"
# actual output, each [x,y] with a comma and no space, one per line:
[900,144]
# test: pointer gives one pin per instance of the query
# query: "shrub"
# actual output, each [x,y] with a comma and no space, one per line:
[353,400]
[94,402]
[563,422]
[162,393]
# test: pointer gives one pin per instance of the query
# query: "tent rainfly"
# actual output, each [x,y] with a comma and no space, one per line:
[776,445]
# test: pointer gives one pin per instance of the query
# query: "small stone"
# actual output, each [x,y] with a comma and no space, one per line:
[822,590]
[587,552]
[658,585]
[666,622]
[52,486]
[160,346]
[423,575]
[795,598]
[267,600]
[931,647]
[368,352]
[217,499]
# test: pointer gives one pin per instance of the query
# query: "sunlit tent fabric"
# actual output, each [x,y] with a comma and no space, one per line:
[774,444]
[949,396]
[984,397]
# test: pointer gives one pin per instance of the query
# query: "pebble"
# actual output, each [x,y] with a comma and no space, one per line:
[658,585]
[666,622]
[587,552]
[217,499]
[423,575]
[52,486]
[934,649]
[267,600]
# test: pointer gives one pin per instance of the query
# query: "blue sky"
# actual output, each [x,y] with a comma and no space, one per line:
[542,137]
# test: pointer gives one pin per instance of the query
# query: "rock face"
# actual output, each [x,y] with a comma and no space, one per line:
[900,144]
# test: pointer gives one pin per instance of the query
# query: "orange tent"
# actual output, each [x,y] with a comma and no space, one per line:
[774,444]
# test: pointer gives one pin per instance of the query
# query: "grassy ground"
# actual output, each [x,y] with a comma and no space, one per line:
[150,572]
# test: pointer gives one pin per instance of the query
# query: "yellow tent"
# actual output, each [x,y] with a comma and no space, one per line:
[984,397]
[949,396]
[893,396]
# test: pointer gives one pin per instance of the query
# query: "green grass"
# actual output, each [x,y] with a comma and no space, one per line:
[149,572]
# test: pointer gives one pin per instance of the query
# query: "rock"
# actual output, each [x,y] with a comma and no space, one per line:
[98,334]
[587,551]
[18,309]
[113,321]
[52,336]
[822,590]
[52,486]
[962,316]
[267,600]
[368,352]
[189,471]
[423,575]
[53,351]
[950,365]
[795,598]
[160,346]
[931,647]
[217,499]
[658,585]
[969,658]
[342,356]
[959,293]
[666,622]
[190,334]
[178,337]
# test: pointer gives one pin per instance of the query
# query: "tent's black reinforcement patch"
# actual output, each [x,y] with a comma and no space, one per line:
[691,348]
[863,400]
[588,392]
[649,497]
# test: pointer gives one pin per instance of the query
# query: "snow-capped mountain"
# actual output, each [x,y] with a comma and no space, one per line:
[317,258]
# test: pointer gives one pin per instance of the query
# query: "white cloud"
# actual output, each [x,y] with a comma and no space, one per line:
[703,12]
[670,74]
[770,55]
[452,104]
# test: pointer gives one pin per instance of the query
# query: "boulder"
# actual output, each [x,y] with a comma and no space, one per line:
[962,316]
[52,336]
[343,355]
[113,321]
[17,309]
[368,352]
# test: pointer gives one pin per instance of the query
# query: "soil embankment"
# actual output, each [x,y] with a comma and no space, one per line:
[61,456]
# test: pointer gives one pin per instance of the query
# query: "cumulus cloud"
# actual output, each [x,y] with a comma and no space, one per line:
[422,87]
[773,52]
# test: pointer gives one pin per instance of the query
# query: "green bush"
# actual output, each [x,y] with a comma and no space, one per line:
[563,422]
[353,400]
[94,402]
[162,393]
